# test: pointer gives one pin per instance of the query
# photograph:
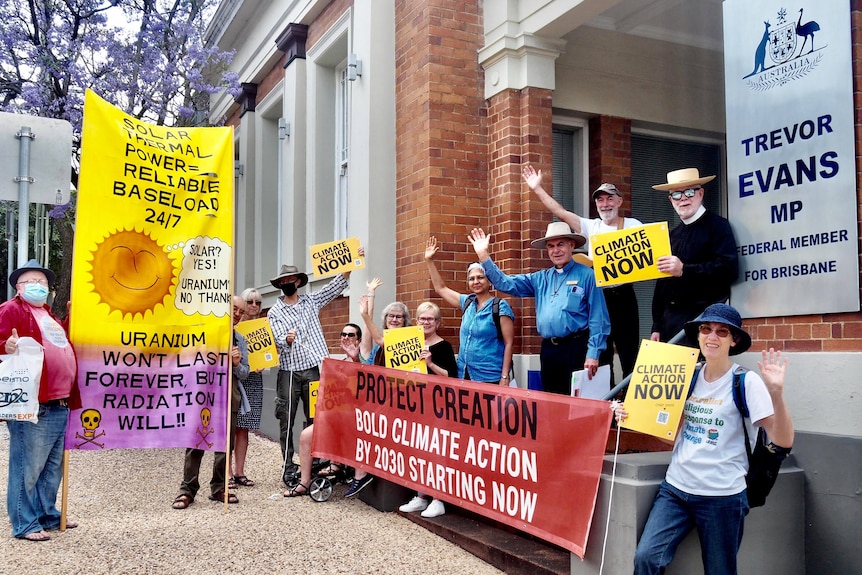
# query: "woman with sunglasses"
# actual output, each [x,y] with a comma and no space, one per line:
[704,487]
[253,386]
[482,355]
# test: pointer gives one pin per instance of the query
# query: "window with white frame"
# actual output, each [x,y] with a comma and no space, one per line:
[342,150]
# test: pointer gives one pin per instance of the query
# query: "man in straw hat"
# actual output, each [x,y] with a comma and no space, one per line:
[704,261]
[301,346]
[36,449]
[621,300]
[571,315]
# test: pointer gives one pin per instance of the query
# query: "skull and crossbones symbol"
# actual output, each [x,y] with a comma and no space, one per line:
[207,430]
[90,419]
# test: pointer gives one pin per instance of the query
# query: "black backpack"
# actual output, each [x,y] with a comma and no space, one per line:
[495,312]
[766,459]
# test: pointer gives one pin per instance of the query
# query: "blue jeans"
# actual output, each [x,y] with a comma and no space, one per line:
[35,470]
[719,521]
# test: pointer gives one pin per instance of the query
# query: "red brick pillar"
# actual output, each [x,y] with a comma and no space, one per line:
[520,132]
[611,156]
[442,162]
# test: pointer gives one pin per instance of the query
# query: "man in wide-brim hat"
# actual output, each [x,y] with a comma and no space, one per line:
[301,346]
[621,300]
[571,315]
[704,261]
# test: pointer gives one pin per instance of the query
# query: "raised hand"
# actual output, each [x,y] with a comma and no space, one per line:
[431,248]
[480,242]
[373,284]
[532,177]
[772,370]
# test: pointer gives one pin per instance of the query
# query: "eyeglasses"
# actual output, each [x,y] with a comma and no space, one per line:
[721,332]
[346,334]
[253,301]
[689,193]
[394,316]
[426,319]
[33,282]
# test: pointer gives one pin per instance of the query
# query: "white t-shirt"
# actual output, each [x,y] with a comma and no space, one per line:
[709,456]
[597,226]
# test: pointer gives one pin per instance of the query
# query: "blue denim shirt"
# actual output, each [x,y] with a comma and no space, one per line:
[566,302]
[481,351]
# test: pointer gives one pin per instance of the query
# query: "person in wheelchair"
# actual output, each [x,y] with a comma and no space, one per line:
[327,473]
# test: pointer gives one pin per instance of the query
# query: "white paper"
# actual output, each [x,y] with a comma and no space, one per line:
[595,388]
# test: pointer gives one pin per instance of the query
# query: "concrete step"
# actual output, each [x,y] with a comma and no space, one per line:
[507,549]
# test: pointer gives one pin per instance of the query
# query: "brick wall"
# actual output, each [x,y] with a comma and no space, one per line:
[610,157]
[442,166]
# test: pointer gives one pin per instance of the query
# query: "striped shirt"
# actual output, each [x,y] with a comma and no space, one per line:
[309,347]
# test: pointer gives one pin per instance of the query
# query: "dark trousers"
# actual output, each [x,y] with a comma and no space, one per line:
[625,328]
[561,356]
[192,466]
[287,398]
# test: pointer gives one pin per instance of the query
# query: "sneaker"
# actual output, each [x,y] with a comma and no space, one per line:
[415,504]
[358,485]
[434,509]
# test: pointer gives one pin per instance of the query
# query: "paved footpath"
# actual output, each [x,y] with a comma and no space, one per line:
[122,501]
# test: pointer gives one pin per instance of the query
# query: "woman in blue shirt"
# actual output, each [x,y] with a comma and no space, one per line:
[482,355]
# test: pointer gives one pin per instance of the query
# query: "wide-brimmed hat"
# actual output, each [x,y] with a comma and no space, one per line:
[685,177]
[32,265]
[721,313]
[288,271]
[607,188]
[559,230]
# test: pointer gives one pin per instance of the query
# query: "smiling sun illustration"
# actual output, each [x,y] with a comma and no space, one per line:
[131,272]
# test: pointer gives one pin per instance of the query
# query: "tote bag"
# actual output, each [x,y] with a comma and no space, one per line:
[20,373]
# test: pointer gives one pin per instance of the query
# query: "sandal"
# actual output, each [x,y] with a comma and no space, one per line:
[295,492]
[243,480]
[330,470]
[182,501]
[231,483]
[231,498]
[37,536]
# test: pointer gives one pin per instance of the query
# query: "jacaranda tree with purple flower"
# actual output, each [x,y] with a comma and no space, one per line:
[150,58]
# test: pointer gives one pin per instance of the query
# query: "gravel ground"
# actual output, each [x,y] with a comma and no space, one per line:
[122,502]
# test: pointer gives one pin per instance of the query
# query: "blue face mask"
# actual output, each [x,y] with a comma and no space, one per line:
[35,294]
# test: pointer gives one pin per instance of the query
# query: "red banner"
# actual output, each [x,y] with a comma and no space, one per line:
[527,459]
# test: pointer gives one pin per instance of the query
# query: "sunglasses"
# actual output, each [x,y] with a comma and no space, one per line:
[721,332]
[345,334]
[689,193]
[253,302]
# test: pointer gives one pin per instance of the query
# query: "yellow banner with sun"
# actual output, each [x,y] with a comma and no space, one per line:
[151,283]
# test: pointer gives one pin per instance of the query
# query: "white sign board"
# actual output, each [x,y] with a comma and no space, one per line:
[791,159]
[50,158]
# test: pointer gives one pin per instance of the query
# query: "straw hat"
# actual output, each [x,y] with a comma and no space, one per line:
[559,230]
[684,178]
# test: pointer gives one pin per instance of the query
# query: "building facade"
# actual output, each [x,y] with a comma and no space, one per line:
[395,120]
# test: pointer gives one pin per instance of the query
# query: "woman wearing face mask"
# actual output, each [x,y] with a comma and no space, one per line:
[253,386]
[482,355]
[36,450]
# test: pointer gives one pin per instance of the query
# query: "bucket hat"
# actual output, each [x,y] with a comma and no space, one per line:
[32,265]
[721,313]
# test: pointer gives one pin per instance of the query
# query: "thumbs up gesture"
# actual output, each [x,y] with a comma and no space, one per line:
[12,342]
